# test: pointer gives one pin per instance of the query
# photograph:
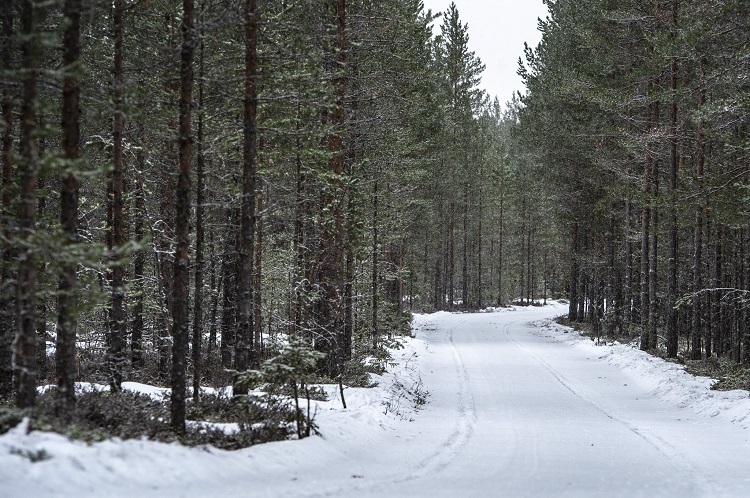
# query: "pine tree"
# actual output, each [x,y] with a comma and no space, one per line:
[182,222]
[25,364]
[244,348]
[67,302]
[6,290]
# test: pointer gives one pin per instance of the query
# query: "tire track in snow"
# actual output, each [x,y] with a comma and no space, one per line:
[449,449]
[464,428]
[705,486]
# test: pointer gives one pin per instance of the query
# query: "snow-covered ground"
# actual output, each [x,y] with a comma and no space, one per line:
[517,406]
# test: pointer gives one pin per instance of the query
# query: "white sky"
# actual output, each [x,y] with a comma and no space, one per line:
[497,31]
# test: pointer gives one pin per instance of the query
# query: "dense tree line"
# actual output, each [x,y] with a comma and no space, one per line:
[637,113]
[190,189]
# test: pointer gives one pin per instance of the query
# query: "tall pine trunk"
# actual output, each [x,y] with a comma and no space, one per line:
[500,237]
[244,346]
[6,280]
[200,193]
[65,355]
[375,255]
[574,274]
[672,283]
[139,264]
[258,282]
[332,237]
[300,208]
[25,364]
[229,293]
[697,318]
[465,298]
[180,317]
[648,189]
[118,326]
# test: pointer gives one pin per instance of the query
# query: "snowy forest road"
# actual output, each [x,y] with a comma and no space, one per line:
[516,407]
[515,412]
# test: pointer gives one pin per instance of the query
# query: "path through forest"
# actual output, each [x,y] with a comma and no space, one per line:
[526,414]
[516,411]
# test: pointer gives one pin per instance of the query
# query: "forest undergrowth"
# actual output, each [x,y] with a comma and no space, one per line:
[276,408]
[728,374]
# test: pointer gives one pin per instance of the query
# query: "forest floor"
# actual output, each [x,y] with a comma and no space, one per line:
[516,405]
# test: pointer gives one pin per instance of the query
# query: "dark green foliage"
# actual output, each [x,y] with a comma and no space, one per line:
[729,374]
[100,415]
[10,416]
[293,368]
[635,120]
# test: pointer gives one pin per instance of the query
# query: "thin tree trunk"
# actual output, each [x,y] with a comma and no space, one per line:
[25,365]
[6,278]
[500,300]
[180,317]
[118,325]
[139,263]
[612,309]
[200,192]
[478,302]
[229,295]
[645,246]
[629,296]
[300,208]
[653,315]
[652,265]
[213,282]
[672,283]
[244,350]
[439,297]
[574,274]
[697,318]
[333,236]
[65,355]
[451,254]
[465,298]
[375,256]
[529,276]
[258,281]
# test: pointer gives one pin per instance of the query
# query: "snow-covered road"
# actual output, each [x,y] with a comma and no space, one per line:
[517,407]
[526,414]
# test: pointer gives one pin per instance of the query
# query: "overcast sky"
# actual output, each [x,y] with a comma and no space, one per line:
[497,30]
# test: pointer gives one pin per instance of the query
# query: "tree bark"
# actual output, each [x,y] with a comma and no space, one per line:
[332,237]
[118,325]
[139,263]
[200,192]
[258,281]
[244,350]
[375,255]
[465,298]
[653,314]
[6,277]
[672,283]
[65,355]
[229,294]
[645,246]
[501,228]
[629,296]
[25,364]
[697,317]
[182,222]
[574,273]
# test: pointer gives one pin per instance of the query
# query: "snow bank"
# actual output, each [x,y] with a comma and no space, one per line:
[666,380]
[41,463]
